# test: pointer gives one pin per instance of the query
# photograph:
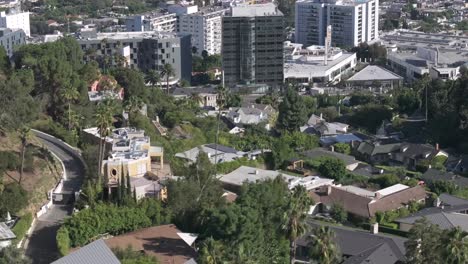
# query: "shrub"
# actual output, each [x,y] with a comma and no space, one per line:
[13,199]
[338,213]
[8,160]
[332,168]
[342,148]
[63,241]
[22,227]
[55,129]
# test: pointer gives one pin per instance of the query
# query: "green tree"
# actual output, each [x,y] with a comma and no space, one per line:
[104,117]
[386,180]
[131,256]
[423,243]
[168,72]
[455,246]
[63,241]
[294,217]
[25,134]
[12,255]
[211,252]
[153,77]
[323,247]
[332,168]
[292,112]
[338,213]
[342,148]
[70,94]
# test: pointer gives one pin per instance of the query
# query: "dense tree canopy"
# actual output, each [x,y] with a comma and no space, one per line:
[292,113]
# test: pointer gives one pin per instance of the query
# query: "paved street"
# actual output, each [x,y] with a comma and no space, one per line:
[41,247]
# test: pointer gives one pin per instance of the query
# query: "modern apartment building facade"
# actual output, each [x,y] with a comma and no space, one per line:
[205,26]
[353,21]
[252,45]
[166,22]
[10,38]
[16,21]
[143,50]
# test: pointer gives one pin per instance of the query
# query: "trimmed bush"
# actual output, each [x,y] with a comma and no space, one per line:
[22,227]
[63,241]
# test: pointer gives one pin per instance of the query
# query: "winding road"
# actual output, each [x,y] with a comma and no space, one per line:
[41,247]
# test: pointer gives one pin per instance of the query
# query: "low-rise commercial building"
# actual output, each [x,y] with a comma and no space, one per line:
[375,78]
[306,65]
[152,21]
[143,50]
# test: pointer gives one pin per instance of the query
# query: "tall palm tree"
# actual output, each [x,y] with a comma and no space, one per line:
[104,116]
[294,218]
[25,133]
[323,247]
[196,98]
[153,77]
[70,94]
[133,105]
[167,72]
[455,248]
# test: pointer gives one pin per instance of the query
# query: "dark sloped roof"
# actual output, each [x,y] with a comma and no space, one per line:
[417,150]
[222,148]
[368,171]
[96,252]
[397,199]
[321,152]
[435,175]
[372,148]
[359,242]
[451,200]
[380,254]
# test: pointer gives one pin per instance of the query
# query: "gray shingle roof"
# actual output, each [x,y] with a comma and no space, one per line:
[358,242]
[436,175]
[5,232]
[451,200]
[96,252]
[321,152]
[222,148]
[380,254]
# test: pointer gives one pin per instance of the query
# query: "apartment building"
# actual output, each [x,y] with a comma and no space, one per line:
[252,45]
[153,21]
[11,38]
[352,21]
[15,20]
[205,26]
[143,50]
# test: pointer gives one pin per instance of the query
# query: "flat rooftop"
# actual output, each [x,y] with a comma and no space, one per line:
[413,39]
[258,10]
[312,68]
[129,35]
[447,57]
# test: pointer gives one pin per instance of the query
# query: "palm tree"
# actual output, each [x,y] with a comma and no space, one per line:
[104,116]
[153,77]
[455,246]
[70,94]
[196,98]
[294,218]
[323,248]
[167,72]
[25,133]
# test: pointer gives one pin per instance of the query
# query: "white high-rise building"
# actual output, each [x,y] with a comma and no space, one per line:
[16,21]
[353,21]
[205,27]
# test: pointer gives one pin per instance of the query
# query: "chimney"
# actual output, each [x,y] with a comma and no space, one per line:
[329,189]
[321,116]
[374,228]
[256,172]
[332,148]
[377,195]
[437,202]
[437,147]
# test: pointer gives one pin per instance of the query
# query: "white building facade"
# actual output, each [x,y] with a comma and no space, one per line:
[16,21]
[353,21]
[205,27]
[166,22]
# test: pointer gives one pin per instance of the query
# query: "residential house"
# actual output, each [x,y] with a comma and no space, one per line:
[319,126]
[365,203]
[368,171]
[234,180]
[207,97]
[391,151]
[105,87]
[252,114]
[6,235]
[432,175]
[449,212]
[458,164]
[167,243]
[360,247]
[350,138]
[216,153]
[350,162]
[96,252]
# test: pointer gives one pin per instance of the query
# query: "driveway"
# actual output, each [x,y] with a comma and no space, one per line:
[41,247]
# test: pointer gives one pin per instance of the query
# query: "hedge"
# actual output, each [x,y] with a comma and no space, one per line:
[63,241]
[21,227]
